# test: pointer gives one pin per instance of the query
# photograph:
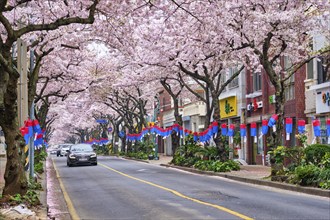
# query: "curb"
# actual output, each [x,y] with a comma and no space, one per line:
[285,186]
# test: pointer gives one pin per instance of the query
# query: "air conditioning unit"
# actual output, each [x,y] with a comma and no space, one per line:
[259,104]
[249,107]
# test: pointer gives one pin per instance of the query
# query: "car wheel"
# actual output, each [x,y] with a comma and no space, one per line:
[95,164]
[68,164]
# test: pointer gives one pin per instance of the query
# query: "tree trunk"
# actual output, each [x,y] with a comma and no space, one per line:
[216,117]
[15,178]
[279,110]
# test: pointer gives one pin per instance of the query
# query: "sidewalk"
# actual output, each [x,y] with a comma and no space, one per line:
[253,174]
[247,171]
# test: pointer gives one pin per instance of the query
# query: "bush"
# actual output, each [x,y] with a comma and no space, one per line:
[307,175]
[217,166]
[187,155]
[315,152]
[40,155]
[39,167]
[324,179]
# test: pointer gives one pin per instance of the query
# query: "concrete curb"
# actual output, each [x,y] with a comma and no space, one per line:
[285,186]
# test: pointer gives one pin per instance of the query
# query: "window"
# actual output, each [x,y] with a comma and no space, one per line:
[234,82]
[322,70]
[289,90]
[256,81]
[310,69]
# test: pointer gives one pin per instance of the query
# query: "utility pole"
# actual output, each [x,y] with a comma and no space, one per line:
[31,142]
[22,87]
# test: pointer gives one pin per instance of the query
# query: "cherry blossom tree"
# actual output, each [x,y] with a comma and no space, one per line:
[268,31]
[20,19]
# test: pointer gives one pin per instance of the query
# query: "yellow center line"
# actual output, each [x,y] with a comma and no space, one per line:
[181,195]
[67,199]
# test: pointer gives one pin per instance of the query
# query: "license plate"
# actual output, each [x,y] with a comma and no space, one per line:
[83,159]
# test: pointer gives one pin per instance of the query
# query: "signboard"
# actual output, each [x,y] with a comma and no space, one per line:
[102,121]
[228,107]
[323,101]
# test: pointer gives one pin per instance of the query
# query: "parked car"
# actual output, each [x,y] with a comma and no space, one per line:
[81,154]
[62,150]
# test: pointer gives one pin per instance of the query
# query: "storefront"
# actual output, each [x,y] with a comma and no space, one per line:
[322,104]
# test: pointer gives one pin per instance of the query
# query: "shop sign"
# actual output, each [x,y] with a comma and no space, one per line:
[323,101]
[228,107]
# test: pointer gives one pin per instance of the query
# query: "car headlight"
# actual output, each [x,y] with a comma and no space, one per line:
[72,156]
[93,155]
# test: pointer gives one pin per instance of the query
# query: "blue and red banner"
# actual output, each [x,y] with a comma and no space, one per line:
[36,126]
[231,130]
[272,120]
[288,125]
[264,129]
[317,129]
[328,127]
[301,126]
[215,127]
[224,129]
[253,129]
[243,130]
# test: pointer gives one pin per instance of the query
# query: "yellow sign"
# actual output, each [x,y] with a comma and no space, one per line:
[228,107]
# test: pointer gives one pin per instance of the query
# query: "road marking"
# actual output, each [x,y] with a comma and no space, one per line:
[67,199]
[181,195]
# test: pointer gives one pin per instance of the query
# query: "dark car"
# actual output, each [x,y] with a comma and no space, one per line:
[80,154]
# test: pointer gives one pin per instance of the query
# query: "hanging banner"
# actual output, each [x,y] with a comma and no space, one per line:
[195,136]
[243,130]
[264,129]
[328,127]
[215,127]
[272,122]
[288,127]
[231,130]
[253,129]
[224,129]
[301,126]
[317,129]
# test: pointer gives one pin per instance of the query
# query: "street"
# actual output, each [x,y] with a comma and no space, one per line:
[124,189]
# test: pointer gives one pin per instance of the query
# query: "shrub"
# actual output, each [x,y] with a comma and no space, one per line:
[187,155]
[217,166]
[315,152]
[39,167]
[325,162]
[324,179]
[307,175]
[40,155]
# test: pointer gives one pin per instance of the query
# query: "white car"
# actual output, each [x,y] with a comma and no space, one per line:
[62,151]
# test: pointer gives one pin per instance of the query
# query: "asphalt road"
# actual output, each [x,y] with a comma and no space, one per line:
[125,189]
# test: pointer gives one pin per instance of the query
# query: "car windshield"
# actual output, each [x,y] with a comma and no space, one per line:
[81,148]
